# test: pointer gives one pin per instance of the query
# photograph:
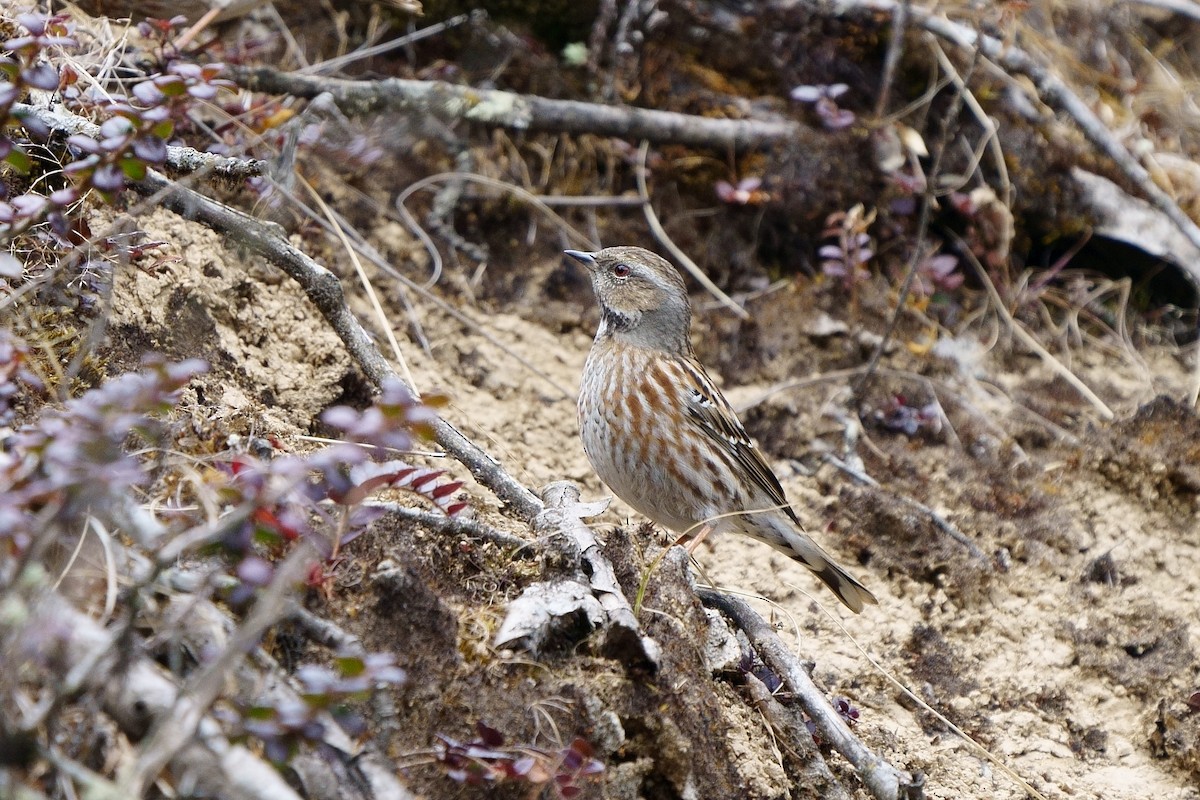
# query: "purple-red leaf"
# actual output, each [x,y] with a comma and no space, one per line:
[83,143]
[421,480]
[33,126]
[10,267]
[202,91]
[30,205]
[64,197]
[41,76]
[150,149]
[148,93]
[115,128]
[109,178]
[489,735]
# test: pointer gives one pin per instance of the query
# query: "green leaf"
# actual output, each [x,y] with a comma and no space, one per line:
[350,666]
[19,160]
[134,170]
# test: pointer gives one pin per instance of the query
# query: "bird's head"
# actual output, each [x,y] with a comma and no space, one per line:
[642,297]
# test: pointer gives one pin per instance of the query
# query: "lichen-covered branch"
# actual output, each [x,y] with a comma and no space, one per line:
[497,108]
[595,596]
[183,159]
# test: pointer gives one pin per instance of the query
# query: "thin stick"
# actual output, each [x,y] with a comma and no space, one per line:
[380,315]
[339,62]
[892,59]
[1027,338]
[881,779]
[565,227]
[325,290]
[1194,395]
[661,235]
[453,526]
[184,159]
[991,132]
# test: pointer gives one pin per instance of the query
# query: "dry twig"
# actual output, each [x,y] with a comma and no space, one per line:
[882,780]
[184,159]
[452,526]
[1051,90]
[141,691]
[1028,339]
[325,290]
[661,235]
[495,108]
[596,586]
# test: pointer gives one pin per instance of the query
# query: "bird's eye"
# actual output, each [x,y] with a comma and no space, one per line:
[621,270]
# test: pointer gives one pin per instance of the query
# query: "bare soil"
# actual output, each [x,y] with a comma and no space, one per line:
[1066,646]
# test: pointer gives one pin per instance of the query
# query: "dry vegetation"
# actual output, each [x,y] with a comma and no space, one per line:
[949,283]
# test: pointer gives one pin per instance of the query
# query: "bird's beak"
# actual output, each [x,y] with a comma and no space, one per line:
[587,259]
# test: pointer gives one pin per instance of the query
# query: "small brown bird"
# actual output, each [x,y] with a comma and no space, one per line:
[660,433]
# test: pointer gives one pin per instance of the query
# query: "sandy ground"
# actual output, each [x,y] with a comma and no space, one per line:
[1054,651]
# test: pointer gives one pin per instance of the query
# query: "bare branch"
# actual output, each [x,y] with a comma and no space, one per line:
[141,693]
[884,781]
[1028,338]
[452,526]
[496,108]
[660,234]
[623,638]
[325,290]
[184,159]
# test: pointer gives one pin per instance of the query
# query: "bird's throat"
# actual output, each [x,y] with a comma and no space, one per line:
[614,322]
[651,330]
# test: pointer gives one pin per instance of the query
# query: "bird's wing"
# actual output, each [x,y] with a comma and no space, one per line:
[709,410]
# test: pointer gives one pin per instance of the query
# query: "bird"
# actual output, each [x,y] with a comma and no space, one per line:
[660,434]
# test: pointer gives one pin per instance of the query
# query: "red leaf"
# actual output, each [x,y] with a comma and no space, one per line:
[445,489]
[432,475]
[489,735]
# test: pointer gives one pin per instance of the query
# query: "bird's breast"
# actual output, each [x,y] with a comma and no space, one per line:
[633,432]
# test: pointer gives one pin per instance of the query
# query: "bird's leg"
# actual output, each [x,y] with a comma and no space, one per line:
[704,531]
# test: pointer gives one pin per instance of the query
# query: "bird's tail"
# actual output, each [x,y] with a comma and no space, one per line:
[847,588]
[803,549]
